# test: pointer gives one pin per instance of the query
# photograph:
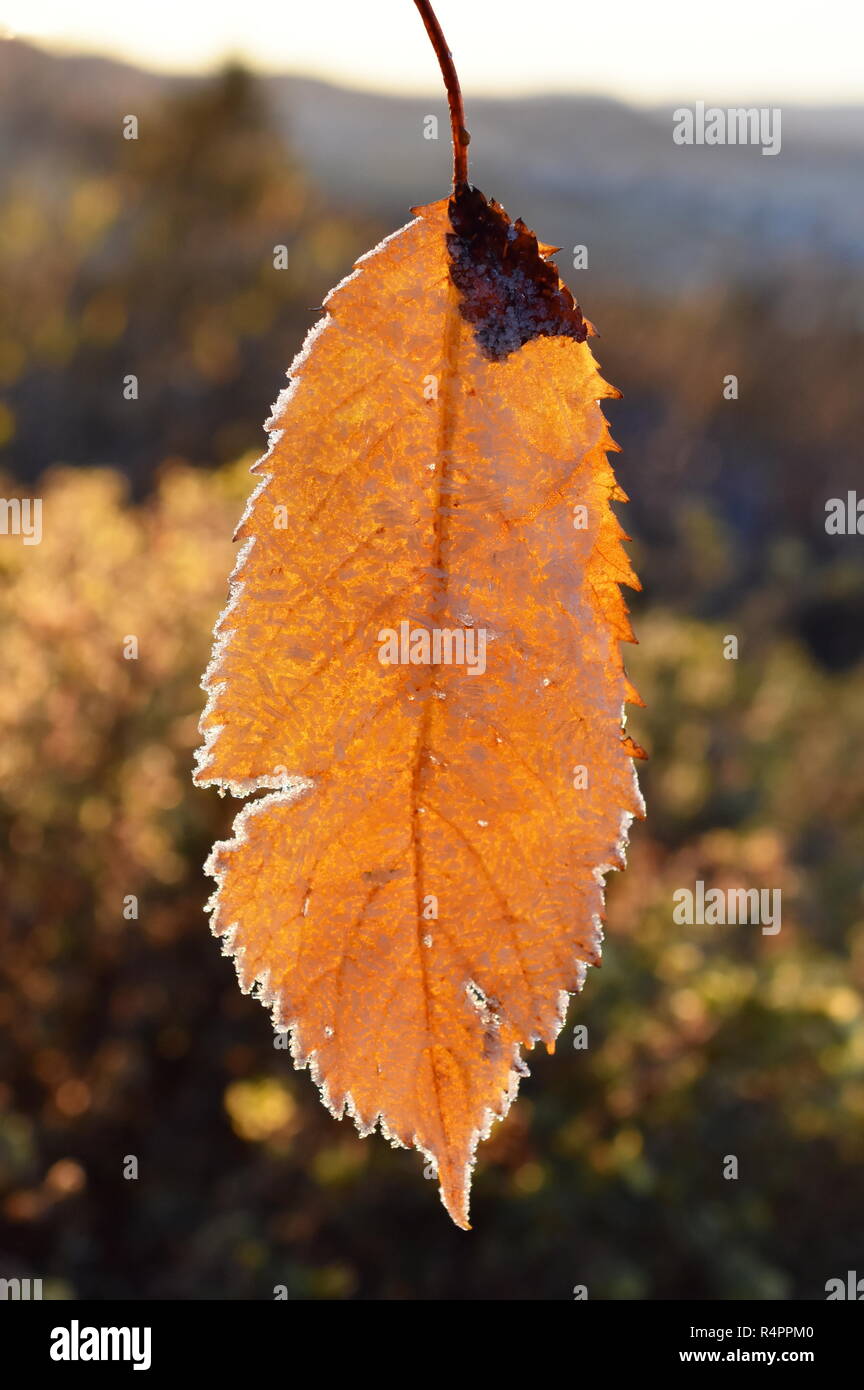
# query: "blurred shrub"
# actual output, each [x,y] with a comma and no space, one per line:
[155,257]
[125,1038]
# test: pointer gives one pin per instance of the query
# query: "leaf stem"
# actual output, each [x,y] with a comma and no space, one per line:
[454,94]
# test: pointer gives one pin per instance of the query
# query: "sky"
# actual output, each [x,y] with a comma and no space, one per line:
[644,51]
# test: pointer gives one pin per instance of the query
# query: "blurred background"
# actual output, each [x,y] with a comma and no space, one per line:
[127,1037]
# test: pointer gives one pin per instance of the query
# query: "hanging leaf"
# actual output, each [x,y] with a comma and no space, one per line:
[421,657]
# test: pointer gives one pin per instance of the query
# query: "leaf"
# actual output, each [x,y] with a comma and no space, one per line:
[425,887]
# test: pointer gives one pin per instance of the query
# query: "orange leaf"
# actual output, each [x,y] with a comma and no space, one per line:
[421,653]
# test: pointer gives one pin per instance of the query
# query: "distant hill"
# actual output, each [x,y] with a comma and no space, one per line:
[586,170]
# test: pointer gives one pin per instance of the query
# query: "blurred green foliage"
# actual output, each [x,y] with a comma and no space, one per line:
[129,1037]
[155,257]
